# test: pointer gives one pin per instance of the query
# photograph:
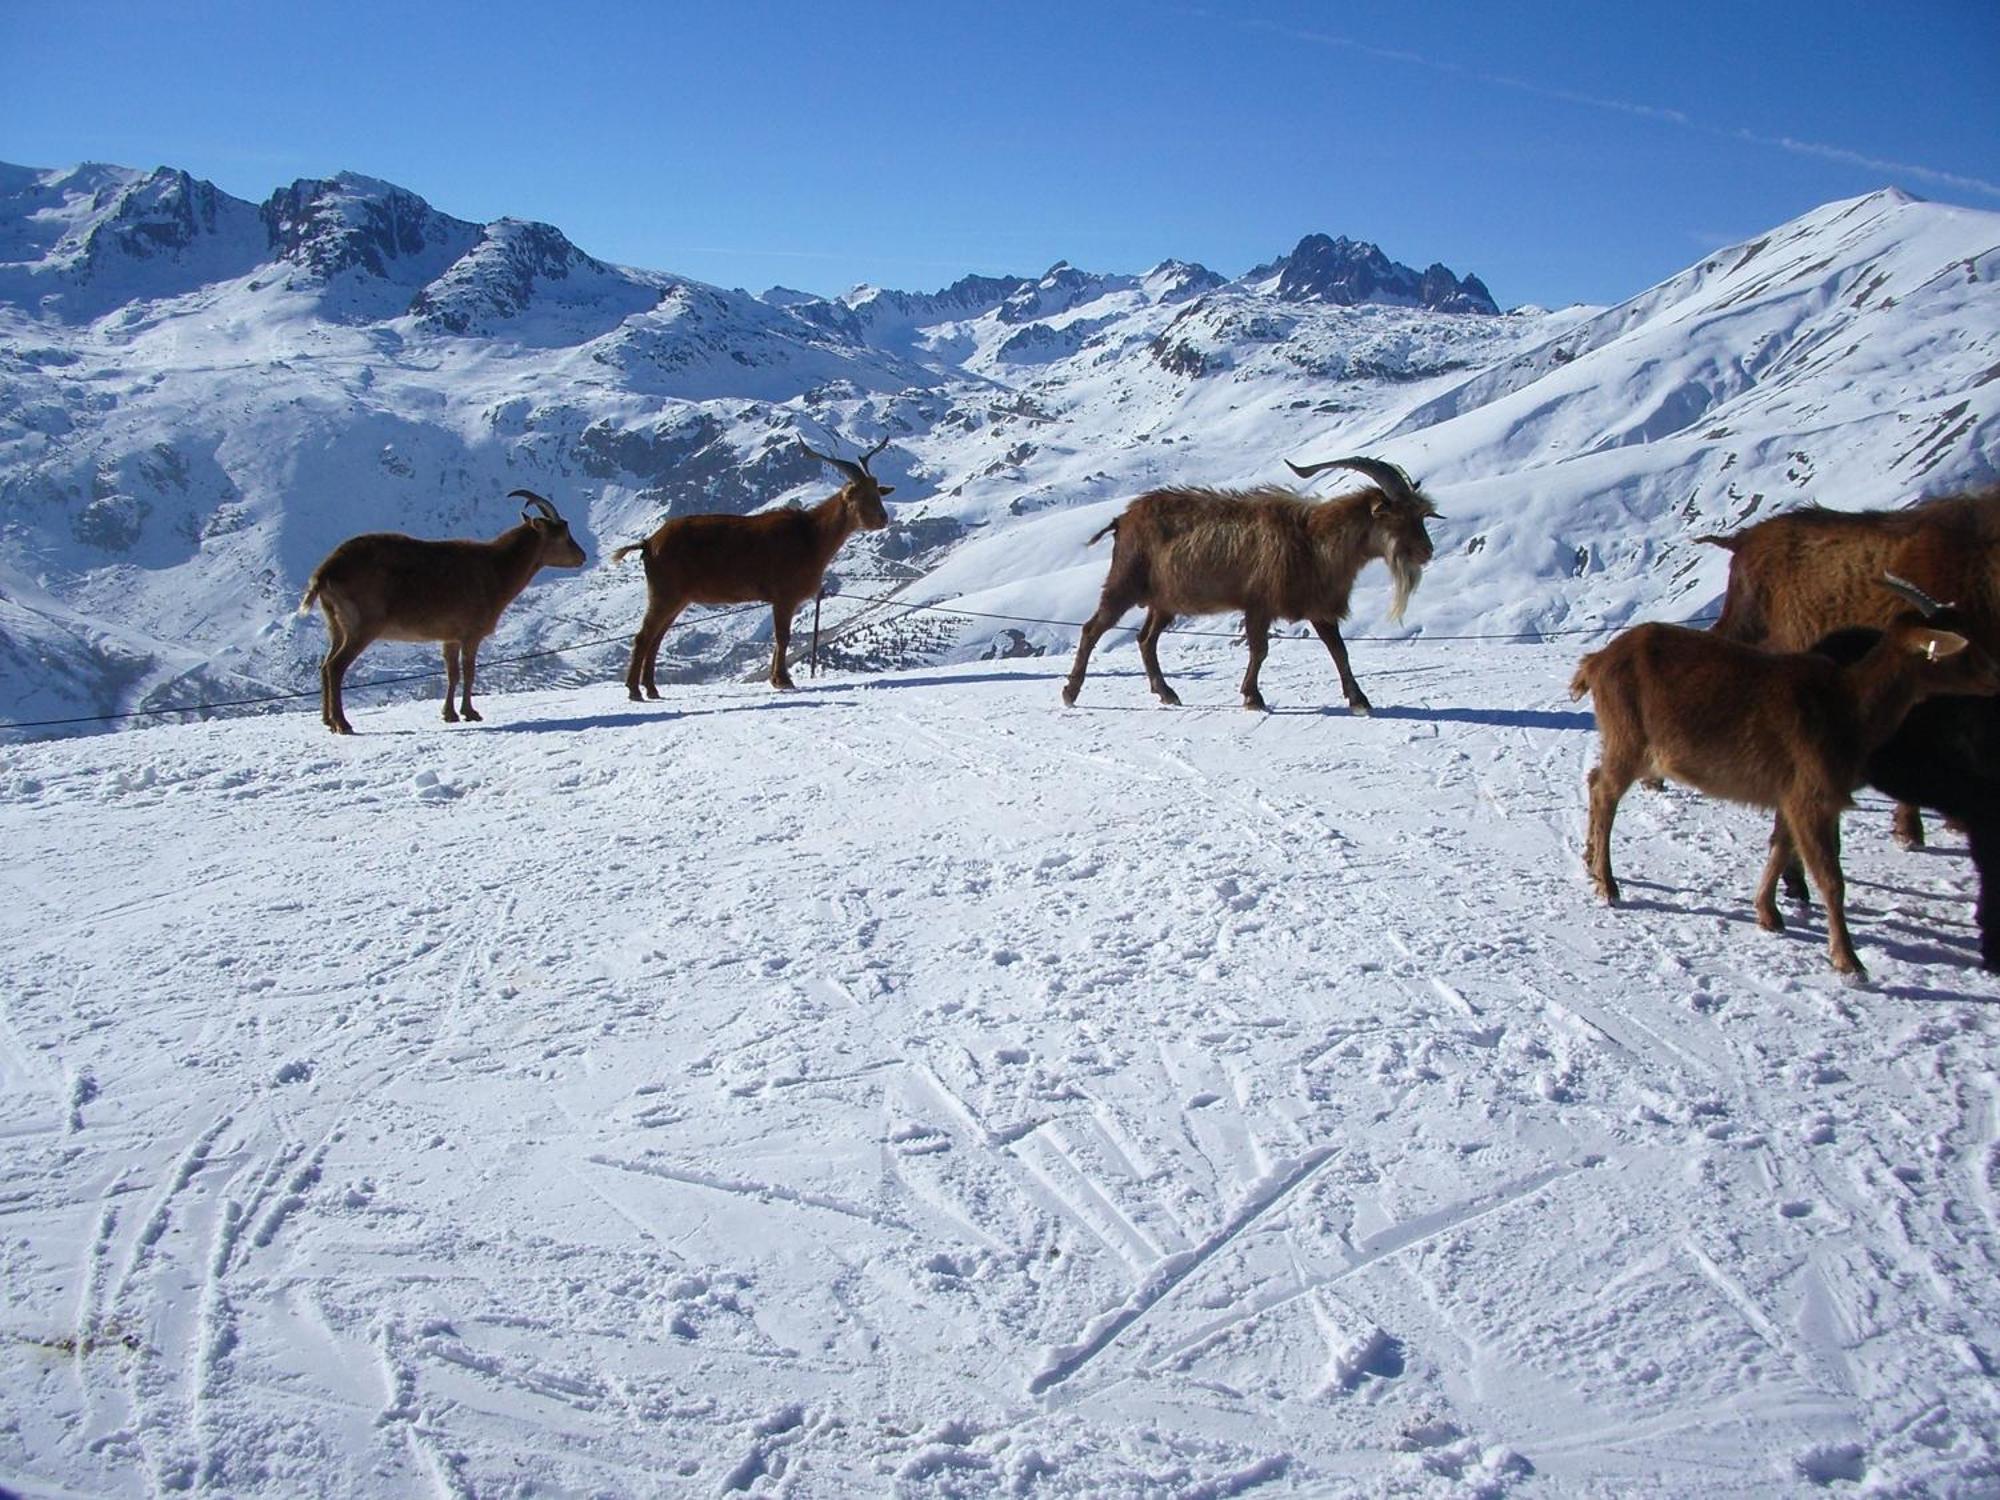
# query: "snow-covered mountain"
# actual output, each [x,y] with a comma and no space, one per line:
[199,396]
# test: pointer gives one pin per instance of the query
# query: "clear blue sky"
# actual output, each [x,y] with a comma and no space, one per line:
[1564,152]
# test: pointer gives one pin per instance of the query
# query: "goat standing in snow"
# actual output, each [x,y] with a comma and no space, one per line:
[1790,731]
[388,587]
[777,557]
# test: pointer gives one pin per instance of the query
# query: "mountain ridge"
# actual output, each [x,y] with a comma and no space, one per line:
[232,388]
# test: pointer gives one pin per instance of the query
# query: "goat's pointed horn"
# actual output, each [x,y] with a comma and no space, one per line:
[1911,592]
[846,466]
[874,450]
[536,502]
[1389,476]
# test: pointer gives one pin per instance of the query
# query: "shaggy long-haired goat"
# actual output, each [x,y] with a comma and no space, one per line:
[776,557]
[1272,553]
[388,587]
[1790,731]
[1797,577]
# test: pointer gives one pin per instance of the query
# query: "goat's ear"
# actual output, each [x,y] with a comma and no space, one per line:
[885,489]
[1937,644]
[1378,505]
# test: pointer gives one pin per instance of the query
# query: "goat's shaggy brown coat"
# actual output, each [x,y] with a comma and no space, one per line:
[1270,552]
[1796,577]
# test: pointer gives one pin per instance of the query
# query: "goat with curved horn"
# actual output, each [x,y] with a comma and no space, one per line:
[777,557]
[402,588]
[1270,552]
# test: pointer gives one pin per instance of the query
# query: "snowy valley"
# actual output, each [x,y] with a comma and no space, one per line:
[906,1085]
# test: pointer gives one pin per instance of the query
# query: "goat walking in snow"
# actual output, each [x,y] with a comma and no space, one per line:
[1272,553]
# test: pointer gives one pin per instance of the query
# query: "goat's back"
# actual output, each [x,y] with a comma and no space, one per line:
[408,588]
[1208,551]
[725,559]
[1797,577]
[1733,720]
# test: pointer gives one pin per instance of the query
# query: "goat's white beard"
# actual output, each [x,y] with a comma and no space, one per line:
[1405,575]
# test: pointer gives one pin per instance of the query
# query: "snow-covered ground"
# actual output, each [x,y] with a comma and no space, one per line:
[906,1085]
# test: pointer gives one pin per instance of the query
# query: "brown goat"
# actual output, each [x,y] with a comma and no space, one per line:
[389,587]
[777,557]
[1272,553]
[1802,575]
[1790,731]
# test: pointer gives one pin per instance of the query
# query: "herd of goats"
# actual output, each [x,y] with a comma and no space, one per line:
[1833,664]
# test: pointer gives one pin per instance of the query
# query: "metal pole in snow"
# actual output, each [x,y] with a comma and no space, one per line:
[815,654]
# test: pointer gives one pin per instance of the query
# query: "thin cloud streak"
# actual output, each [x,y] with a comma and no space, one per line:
[1665,116]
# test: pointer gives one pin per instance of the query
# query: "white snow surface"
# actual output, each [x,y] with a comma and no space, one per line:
[907,1086]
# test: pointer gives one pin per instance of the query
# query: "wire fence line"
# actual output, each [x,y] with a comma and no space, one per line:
[841,630]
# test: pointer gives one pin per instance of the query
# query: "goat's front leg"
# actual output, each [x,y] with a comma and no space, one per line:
[450,681]
[1257,630]
[471,652]
[1357,701]
[781,640]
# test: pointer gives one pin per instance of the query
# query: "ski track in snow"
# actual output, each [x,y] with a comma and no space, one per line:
[910,1086]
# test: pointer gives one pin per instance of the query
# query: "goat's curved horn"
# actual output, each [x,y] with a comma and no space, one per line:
[1911,592]
[874,450]
[1389,476]
[537,502]
[846,466]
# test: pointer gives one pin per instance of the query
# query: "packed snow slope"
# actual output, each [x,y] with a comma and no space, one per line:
[908,1086]
[200,396]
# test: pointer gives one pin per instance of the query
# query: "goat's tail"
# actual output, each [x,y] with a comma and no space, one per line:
[1726,543]
[619,555]
[1579,685]
[1103,534]
[312,593]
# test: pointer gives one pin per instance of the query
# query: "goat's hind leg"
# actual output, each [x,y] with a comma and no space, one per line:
[1108,611]
[1607,787]
[660,616]
[1157,621]
[1783,861]
[333,675]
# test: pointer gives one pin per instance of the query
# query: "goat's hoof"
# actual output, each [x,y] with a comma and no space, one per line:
[449,716]
[1255,703]
[1909,828]
[653,693]
[783,684]
[473,715]
[1361,708]
[1607,892]
[1770,921]
[1069,692]
[1849,968]
[1167,696]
